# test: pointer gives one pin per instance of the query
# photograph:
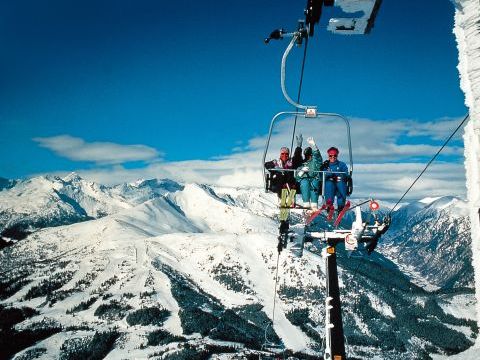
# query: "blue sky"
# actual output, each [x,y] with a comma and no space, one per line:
[173,85]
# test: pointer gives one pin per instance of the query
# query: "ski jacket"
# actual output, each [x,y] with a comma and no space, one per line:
[337,166]
[279,164]
[308,168]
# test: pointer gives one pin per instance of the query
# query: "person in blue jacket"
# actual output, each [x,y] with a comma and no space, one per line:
[336,181]
[308,176]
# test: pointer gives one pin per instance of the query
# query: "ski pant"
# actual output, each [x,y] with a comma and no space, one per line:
[279,181]
[309,189]
[336,188]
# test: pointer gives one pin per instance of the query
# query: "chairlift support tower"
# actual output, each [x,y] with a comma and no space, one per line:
[360,232]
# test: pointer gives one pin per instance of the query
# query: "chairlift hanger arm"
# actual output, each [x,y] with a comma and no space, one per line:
[279,34]
[283,76]
[297,38]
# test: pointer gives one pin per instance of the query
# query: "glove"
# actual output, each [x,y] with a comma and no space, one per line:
[303,171]
[311,142]
[299,139]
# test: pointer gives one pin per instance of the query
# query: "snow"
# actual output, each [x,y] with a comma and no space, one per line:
[460,306]
[50,197]
[467,32]
[191,230]
[196,254]
[170,225]
[471,354]
[429,200]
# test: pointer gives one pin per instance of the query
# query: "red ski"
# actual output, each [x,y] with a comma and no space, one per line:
[326,206]
[341,213]
[315,214]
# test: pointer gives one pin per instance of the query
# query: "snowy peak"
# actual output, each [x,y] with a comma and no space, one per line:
[450,205]
[51,201]
[73,177]
[428,235]
[156,217]
[456,206]
[159,184]
[212,212]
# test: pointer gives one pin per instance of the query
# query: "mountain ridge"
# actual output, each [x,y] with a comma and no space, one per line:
[191,271]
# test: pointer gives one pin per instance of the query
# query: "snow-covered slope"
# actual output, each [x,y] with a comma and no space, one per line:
[430,241]
[190,270]
[51,201]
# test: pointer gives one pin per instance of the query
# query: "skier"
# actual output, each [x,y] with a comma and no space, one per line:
[336,182]
[308,176]
[283,182]
[285,179]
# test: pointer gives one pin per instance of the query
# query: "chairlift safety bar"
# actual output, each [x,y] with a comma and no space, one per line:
[318,116]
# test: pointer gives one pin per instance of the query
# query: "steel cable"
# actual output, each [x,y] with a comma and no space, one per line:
[429,163]
[299,90]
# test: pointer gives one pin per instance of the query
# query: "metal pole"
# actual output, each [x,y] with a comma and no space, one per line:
[335,342]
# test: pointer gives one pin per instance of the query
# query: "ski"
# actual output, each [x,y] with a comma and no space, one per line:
[287,199]
[314,215]
[291,198]
[283,205]
[341,213]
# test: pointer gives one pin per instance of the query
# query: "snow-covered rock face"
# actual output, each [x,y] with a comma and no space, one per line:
[51,201]
[190,269]
[430,241]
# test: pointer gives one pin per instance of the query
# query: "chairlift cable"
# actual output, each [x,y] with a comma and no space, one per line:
[425,169]
[267,341]
[431,160]
[299,90]
[275,292]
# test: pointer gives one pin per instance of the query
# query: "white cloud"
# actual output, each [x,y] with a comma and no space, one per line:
[372,141]
[103,153]
[385,163]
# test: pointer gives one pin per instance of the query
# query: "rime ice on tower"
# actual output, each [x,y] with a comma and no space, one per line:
[467,33]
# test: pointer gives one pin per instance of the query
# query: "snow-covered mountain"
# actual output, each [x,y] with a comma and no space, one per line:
[430,240]
[184,271]
[52,201]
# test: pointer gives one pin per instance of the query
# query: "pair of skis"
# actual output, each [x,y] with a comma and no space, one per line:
[287,199]
[329,208]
